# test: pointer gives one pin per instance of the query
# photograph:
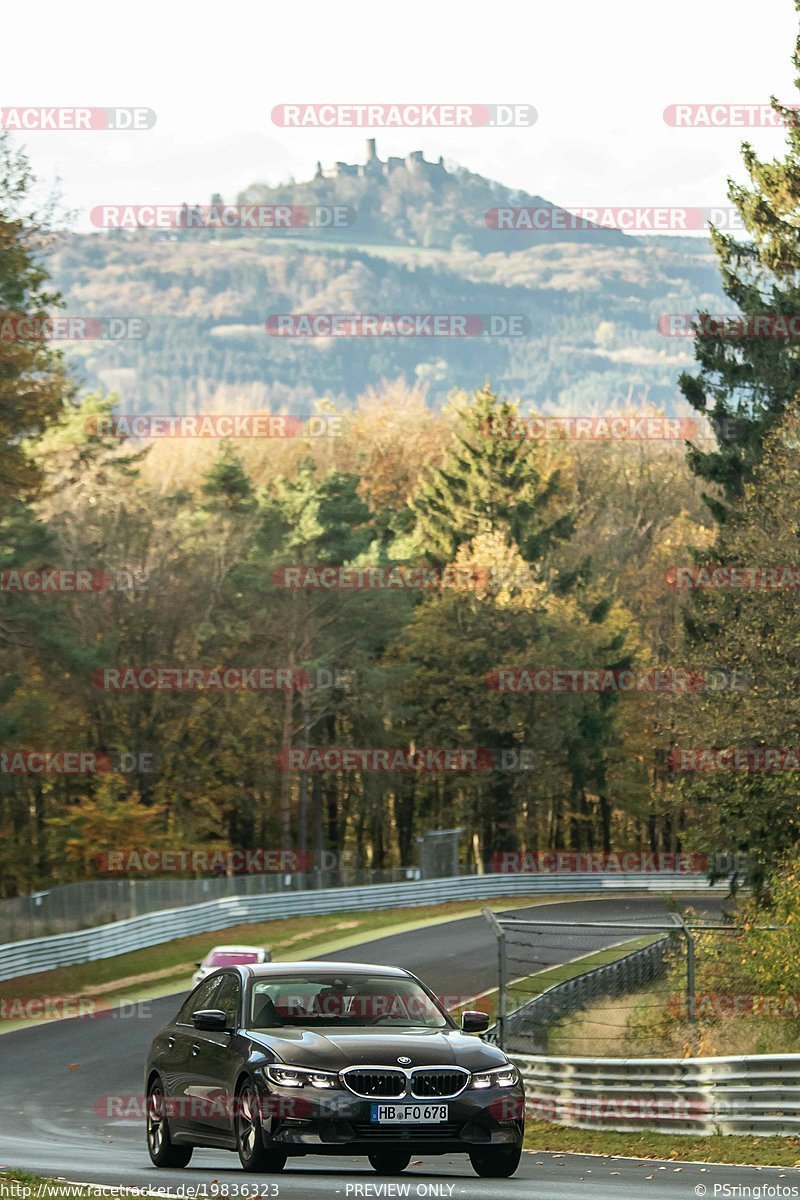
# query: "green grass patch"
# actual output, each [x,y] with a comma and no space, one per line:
[523,990]
[669,1147]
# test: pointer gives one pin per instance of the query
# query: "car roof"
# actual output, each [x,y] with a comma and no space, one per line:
[214,949]
[322,967]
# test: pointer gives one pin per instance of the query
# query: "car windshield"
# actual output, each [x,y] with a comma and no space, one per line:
[344,1000]
[230,958]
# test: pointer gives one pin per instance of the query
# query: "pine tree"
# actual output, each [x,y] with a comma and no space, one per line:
[489,483]
[324,512]
[746,382]
[227,482]
[33,382]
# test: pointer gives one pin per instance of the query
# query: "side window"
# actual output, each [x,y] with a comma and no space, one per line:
[200,998]
[228,998]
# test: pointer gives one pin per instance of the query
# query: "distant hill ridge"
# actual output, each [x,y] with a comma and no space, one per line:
[592,300]
[409,201]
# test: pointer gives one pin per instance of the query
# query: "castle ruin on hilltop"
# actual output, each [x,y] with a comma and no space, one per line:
[414,163]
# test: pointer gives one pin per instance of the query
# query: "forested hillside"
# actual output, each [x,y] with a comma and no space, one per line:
[562,566]
[591,300]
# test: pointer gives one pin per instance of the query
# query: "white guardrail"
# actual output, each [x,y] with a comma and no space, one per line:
[152,929]
[758,1094]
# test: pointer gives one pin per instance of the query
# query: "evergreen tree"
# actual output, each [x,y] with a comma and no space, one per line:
[325,514]
[745,381]
[227,482]
[489,483]
[33,382]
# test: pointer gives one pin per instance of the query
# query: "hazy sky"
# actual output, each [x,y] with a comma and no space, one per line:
[599,75]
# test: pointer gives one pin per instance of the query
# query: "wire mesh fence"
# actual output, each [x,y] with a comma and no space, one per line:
[676,987]
[73,906]
[528,1025]
[66,908]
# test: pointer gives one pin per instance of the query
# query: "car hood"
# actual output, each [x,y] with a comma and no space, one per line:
[334,1049]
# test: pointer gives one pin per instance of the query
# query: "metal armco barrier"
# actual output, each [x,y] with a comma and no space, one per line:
[68,907]
[526,1027]
[152,929]
[749,1094]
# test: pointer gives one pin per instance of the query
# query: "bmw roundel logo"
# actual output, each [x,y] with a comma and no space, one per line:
[404,1062]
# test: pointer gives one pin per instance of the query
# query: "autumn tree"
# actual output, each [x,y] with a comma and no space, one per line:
[754,631]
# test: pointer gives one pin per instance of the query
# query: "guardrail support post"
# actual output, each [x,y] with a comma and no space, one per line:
[502,980]
[691,1009]
[690,985]
[502,987]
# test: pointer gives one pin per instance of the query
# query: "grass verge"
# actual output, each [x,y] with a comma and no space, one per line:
[520,991]
[653,1021]
[669,1147]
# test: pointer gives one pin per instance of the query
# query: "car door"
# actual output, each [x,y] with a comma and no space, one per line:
[177,1062]
[213,1063]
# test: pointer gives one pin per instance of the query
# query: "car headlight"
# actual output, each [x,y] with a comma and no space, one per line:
[505,1076]
[297,1077]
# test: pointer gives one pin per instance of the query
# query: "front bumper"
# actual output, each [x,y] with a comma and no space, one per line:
[330,1121]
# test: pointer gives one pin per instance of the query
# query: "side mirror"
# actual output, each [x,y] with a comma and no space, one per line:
[198,964]
[267,954]
[210,1018]
[474,1022]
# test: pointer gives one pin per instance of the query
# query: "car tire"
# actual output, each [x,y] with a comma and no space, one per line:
[495,1162]
[249,1137]
[159,1143]
[389,1162]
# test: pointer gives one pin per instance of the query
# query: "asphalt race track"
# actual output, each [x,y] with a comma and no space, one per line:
[53,1078]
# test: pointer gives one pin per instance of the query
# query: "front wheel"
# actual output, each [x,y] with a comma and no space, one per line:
[389,1162]
[495,1162]
[249,1140]
[159,1143]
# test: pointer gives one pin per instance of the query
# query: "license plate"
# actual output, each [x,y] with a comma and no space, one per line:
[407,1114]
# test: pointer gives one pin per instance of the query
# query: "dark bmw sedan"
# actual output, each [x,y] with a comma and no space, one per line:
[288,1059]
